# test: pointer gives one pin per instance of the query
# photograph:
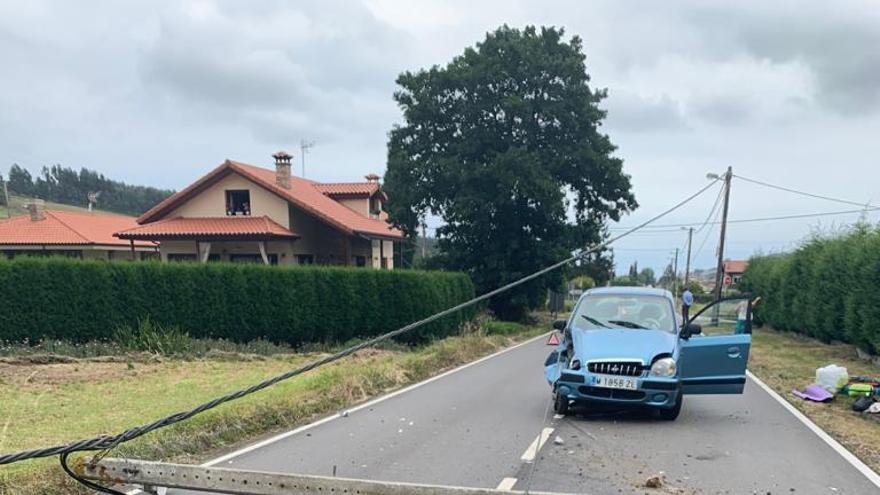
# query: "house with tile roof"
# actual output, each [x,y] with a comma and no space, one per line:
[733,271]
[83,234]
[244,213]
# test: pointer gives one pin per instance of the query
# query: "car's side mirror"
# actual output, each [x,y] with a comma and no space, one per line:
[691,329]
[559,325]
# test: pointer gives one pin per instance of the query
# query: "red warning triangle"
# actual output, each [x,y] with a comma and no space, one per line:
[553,340]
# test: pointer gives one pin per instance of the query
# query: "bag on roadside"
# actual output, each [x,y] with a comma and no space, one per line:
[859,389]
[832,377]
[862,403]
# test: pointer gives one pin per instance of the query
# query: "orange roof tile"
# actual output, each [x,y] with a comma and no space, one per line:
[735,266]
[208,227]
[303,193]
[68,228]
[348,188]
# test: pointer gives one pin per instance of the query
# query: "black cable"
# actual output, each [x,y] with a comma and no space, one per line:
[804,193]
[669,227]
[108,442]
[88,484]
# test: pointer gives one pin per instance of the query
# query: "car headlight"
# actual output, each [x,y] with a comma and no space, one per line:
[575,364]
[663,367]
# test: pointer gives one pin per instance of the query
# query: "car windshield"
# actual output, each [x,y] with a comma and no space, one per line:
[636,312]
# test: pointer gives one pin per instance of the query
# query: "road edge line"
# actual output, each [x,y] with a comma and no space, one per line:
[372,402]
[857,463]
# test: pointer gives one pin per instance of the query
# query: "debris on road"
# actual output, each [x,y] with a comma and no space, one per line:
[655,481]
[558,440]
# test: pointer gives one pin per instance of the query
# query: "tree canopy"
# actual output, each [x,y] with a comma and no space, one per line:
[66,185]
[504,144]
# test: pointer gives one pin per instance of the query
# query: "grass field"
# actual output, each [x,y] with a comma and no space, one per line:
[17,203]
[48,404]
[785,361]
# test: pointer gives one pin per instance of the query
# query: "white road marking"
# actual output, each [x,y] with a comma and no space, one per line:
[371,403]
[536,445]
[506,484]
[834,444]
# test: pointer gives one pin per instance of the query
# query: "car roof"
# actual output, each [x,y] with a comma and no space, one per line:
[629,291]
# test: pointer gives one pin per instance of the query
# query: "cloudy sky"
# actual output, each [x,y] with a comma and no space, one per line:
[158,92]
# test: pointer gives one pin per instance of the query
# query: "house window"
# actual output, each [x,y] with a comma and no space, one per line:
[238,202]
[360,260]
[305,259]
[253,258]
[375,206]
[181,257]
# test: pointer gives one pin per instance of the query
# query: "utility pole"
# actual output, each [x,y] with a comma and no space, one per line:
[687,263]
[675,274]
[304,146]
[719,271]
[424,242]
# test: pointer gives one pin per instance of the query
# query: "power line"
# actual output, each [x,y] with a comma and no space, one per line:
[674,227]
[804,193]
[106,442]
[706,237]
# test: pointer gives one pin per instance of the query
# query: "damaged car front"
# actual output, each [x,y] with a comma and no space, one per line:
[624,346]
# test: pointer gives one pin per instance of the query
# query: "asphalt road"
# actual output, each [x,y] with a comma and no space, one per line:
[474,427]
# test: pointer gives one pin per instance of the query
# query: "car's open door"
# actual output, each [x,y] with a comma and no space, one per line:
[715,362]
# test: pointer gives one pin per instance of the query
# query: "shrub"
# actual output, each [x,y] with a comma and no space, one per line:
[825,289]
[149,336]
[81,301]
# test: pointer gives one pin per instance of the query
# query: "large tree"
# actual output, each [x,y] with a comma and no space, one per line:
[504,144]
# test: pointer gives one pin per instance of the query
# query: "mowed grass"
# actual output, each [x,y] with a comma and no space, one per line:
[785,361]
[49,404]
[17,206]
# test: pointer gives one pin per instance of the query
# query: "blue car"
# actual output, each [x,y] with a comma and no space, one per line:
[627,346]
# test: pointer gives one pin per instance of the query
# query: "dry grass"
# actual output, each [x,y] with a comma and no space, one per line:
[54,403]
[785,361]
[17,206]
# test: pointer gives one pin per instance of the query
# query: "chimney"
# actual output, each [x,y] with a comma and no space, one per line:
[282,168]
[372,178]
[37,209]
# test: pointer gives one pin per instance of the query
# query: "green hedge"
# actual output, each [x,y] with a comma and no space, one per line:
[78,300]
[827,288]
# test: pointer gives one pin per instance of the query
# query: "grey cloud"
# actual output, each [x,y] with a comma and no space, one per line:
[323,64]
[839,42]
[630,112]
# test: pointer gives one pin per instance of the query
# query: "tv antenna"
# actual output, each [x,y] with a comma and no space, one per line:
[305,146]
[93,199]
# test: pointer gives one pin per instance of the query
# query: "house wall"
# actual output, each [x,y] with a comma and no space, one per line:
[96,254]
[212,201]
[318,239]
[360,205]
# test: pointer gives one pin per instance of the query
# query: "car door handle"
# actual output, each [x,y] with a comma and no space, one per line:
[733,352]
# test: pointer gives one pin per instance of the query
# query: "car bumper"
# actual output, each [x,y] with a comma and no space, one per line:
[650,391]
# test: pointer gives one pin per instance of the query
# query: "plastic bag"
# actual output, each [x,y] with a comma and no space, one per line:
[832,377]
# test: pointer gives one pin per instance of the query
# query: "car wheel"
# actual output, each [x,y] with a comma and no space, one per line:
[560,404]
[672,413]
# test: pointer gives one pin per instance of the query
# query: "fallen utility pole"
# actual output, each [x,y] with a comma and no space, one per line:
[152,475]
[719,271]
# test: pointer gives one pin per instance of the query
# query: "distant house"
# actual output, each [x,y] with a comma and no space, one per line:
[67,233]
[733,271]
[244,213]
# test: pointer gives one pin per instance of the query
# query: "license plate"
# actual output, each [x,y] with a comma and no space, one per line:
[615,382]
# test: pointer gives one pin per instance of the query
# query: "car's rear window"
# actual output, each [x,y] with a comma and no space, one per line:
[624,311]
